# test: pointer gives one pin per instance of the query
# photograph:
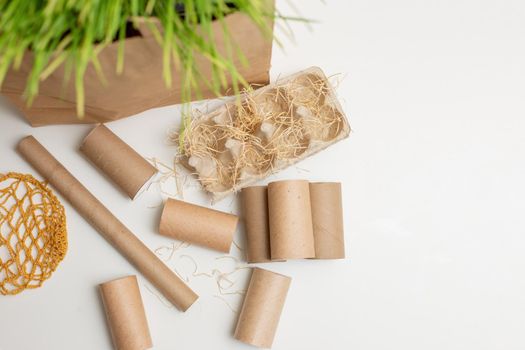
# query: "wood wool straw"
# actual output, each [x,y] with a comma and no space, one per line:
[267,130]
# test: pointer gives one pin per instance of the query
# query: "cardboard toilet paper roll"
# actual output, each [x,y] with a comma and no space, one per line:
[254,202]
[327,219]
[114,231]
[262,308]
[121,163]
[125,314]
[290,215]
[199,225]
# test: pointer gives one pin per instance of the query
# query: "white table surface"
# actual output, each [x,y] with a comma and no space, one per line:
[434,192]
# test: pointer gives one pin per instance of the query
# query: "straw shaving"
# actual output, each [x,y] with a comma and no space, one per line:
[256,134]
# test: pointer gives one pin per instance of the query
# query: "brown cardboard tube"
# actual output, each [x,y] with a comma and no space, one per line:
[125,313]
[290,214]
[254,202]
[262,308]
[327,219]
[121,163]
[198,225]
[107,224]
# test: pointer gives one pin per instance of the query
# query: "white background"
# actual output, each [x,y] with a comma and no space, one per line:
[434,193]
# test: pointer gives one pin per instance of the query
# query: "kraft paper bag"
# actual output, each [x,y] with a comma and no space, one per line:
[141,85]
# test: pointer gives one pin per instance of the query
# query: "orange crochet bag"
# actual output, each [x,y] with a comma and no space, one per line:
[33,236]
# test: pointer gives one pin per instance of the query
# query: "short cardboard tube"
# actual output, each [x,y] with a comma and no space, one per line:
[327,220]
[125,314]
[254,201]
[198,225]
[115,158]
[290,216]
[262,308]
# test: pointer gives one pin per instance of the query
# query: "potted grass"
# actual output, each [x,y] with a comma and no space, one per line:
[91,61]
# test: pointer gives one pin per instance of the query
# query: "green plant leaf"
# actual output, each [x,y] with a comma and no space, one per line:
[73,33]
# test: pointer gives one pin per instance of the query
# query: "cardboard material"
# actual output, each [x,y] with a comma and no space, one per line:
[121,163]
[262,308]
[280,100]
[254,202]
[327,220]
[114,231]
[140,87]
[199,225]
[290,215]
[290,218]
[125,314]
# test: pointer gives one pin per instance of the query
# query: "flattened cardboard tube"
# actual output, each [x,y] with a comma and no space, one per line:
[125,314]
[198,225]
[327,220]
[121,163]
[290,215]
[254,202]
[262,308]
[114,231]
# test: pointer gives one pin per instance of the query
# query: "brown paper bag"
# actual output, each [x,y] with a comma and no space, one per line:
[140,87]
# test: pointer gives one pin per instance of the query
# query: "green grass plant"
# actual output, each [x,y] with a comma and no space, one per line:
[73,32]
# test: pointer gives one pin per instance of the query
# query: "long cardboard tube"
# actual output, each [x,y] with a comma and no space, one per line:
[254,201]
[262,308]
[121,163]
[125,314]
[327,220]
[114,231]
[199,225]
[290,214]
